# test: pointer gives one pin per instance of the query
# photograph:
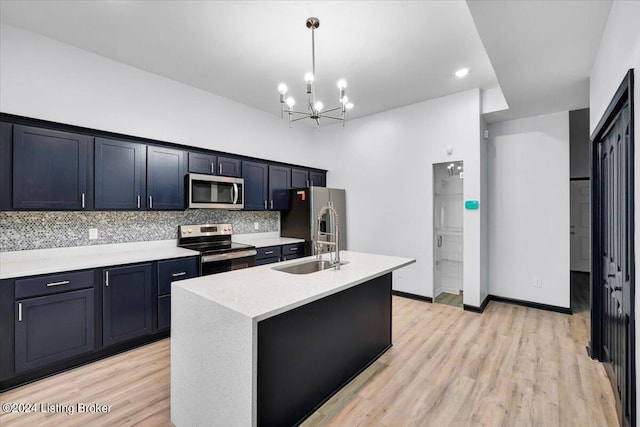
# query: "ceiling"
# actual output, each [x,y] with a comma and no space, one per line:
[392,53]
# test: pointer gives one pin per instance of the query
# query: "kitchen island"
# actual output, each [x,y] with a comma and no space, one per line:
[264,347]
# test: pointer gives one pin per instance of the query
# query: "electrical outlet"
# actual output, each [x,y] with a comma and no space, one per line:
[537,283]
[93,233]
[256,226]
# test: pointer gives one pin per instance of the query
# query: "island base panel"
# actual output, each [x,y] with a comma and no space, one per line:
[307,354]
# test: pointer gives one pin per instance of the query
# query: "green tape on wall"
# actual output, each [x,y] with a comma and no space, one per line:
[471,204]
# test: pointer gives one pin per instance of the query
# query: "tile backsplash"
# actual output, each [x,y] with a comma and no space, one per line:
[40,230]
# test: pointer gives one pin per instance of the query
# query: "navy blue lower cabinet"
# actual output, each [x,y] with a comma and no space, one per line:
[126,303]
[52,328]
[164,312]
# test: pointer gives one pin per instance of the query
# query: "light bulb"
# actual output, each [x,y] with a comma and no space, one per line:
[291,102]
[318,106]
[349,105]
[282,88]
[462,72]
[308,78]
[342,83]
[344,99]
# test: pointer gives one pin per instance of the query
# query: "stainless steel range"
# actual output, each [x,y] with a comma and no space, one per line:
[217,252]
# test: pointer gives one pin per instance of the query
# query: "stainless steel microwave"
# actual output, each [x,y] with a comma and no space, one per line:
[214,192]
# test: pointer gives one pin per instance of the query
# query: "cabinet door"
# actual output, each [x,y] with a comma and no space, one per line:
[256,177]
[279,186]
[119,174]
[165,178]
[52,328]
[318,179]
[202,163]
[6,130]
[229,167]
[299,178]
[51,169]
[126,311]
[164,312]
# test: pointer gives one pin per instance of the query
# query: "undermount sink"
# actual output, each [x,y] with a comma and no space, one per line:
[307,267]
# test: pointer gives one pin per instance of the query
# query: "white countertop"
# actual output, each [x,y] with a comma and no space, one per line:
[56,260]
[261,240]
[261,292]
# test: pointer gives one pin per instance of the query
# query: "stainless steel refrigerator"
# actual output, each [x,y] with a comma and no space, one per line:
[305,204]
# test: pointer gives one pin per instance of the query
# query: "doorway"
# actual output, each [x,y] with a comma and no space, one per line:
[448,184]
[612,258]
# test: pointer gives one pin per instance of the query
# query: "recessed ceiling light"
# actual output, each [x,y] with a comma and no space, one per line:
[462,72]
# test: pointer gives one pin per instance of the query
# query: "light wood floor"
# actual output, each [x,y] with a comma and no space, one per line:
[511,366]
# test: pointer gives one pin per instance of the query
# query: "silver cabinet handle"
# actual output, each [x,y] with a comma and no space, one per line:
[63,282]
[265,204]
[106,278]
[19,312]
[82,198]
[220,169]
[268,252]
[212,171]
[138,201]
[182,273]
[439,241]
[150,202]
[293,249]
[272,204]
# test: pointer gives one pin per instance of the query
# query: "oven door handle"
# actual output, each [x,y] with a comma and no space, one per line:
[230,255]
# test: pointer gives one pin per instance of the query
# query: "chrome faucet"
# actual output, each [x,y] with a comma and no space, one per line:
[334,222]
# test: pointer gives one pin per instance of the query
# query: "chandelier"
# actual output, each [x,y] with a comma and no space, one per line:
[315,109]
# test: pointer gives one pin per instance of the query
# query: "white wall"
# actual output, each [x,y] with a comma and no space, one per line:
[528,179]
[385,161]
[46,79]
[619,51]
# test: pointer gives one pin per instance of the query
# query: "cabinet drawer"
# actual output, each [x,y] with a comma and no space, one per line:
[264,261]
[174,270]
[52,284]
[269,252]
[293,256]
[292,249]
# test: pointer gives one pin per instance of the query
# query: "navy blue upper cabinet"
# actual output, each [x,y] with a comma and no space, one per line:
[318,179]
[126,304]
[119,174]
[165,178]
[299,178]
[6,130]
[51,169]
[228,166]
[279,185]
[256,189]
[202,163]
